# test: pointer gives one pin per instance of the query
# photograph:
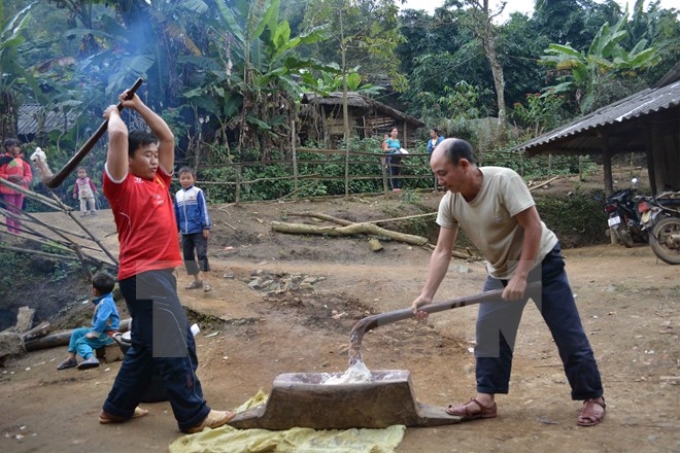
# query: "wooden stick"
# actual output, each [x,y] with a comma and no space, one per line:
[545,183]
[396,219]
[66,244]
[88,232]
[39,253]
[230,226]
[31,194]
[84,150]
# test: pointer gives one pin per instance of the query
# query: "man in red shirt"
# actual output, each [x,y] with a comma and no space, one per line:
[136,183]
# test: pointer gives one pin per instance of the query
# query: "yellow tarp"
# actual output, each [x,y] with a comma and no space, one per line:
[299,440]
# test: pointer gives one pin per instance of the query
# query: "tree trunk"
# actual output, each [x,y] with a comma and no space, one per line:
[349,230]
[345,108]
[489,43]
[484,30]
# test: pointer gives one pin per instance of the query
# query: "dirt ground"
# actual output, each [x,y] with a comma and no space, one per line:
[628,302]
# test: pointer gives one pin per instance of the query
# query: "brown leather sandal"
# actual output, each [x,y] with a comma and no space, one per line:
[590,415]
[464,410]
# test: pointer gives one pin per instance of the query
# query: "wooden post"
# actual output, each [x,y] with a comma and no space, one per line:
[383,167]
[237,197]
[580,167]
[295,163]
[606,165]
[649,150]
[549,164]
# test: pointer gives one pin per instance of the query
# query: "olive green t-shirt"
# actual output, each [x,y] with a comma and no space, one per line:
[489,220]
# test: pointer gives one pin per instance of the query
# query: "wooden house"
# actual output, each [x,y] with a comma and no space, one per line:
[322,121]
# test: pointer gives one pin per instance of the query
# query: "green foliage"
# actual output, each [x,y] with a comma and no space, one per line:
[587,75]
[364,34]
[541,113]
[577,220]
[327,81]
[13,261]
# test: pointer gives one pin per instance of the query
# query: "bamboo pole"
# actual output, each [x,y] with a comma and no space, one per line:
[295,163]
[32,219]
[32,195]
[39,253]
[87,231]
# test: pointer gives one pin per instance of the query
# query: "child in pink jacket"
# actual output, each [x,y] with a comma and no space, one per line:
[85,190]
[15,170]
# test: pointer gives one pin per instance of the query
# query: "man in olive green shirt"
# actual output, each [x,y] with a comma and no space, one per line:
[496,211]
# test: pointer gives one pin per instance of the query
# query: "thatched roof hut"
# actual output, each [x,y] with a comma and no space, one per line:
[322,119]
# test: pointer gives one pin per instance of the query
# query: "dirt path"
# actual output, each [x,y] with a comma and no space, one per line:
[628,302]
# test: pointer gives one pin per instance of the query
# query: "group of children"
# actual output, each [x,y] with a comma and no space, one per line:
[193,222]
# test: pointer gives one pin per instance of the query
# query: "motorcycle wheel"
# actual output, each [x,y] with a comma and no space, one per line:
[664,246]
[624,236]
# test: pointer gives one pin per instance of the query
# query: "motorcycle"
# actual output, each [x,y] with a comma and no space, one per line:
[660,217]
[624,217]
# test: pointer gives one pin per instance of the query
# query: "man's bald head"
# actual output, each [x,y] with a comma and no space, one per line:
[453,150]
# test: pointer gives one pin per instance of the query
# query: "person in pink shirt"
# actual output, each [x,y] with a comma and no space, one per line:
[14,169]
[85,190]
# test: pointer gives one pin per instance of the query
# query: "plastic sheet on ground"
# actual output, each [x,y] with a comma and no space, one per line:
[300,440]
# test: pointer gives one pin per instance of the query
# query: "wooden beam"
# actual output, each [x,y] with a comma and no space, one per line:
[607,165]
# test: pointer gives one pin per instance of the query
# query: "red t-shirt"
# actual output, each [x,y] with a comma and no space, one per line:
[145,220]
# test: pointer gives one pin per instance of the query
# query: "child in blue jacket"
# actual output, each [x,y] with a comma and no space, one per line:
[193,222]
[105,323]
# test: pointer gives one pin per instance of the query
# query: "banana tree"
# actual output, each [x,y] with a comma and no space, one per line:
[251,80]
[588,77]
[330,81]
[12,74]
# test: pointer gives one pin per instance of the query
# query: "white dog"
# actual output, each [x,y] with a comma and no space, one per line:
[40,160]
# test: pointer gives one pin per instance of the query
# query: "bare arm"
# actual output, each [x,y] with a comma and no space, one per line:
[439,264]
[117,154]
[166,139]
[530,222]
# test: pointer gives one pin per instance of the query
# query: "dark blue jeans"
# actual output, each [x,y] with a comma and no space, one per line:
[161,340]
[394,166]
[195,246]
[497,324]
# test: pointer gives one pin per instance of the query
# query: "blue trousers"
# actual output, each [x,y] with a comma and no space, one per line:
[85,347]
[161,340]
[497,324]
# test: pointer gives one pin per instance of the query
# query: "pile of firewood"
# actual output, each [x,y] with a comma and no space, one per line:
[13,340]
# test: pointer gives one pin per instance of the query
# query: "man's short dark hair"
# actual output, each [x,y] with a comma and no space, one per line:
[456,149]
[186,169]
[139,138]
[10,142]
[103,282]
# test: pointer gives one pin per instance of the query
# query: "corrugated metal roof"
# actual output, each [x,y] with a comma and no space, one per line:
[29,114]
[639,104]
